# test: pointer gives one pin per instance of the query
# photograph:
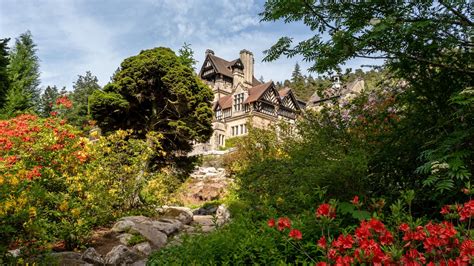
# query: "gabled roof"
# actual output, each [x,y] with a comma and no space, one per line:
[257,91]
[224,67]
[287,92]
[224,102]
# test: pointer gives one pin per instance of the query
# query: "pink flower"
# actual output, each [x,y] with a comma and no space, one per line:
[271,222]
[283,222]
[355,200]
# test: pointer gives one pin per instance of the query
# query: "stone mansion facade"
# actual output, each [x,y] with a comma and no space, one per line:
[240,99]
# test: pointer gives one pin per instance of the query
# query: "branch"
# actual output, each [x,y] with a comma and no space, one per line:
[458,14]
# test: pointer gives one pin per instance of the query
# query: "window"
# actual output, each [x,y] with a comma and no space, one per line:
[219,114]
[241,129]
[238,101]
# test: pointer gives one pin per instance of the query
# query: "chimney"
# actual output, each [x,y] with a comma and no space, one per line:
[209,51]
[247,59]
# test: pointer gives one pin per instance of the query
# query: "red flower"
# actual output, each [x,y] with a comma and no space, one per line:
[467,211]
[64,101]
[295,234]
[322,242]
[355,200]
[445,210]
[271,222]
[283,222]
[321,263]
[326,210]
[404,227]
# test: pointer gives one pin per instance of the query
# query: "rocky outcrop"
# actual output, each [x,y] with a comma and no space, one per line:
[205,184]
[121,255]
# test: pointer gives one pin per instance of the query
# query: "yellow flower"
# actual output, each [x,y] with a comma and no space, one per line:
[75,212]
[32,212]
[64,206]
[1,180]
[14,181]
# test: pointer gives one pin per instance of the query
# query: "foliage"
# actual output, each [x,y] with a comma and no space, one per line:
[23,74]
[4,83]
[48,99]
[154,91]
[43,196]
[186,56]
[427,48]
[410,242]
[248,246]
[82,89]
[136,239]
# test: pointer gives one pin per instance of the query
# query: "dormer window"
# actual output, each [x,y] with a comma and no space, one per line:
[238,102]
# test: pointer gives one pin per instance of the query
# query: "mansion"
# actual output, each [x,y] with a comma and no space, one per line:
[240,99]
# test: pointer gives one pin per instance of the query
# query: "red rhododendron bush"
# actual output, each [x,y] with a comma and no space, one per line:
[43,195]
[56,185]
[394,242]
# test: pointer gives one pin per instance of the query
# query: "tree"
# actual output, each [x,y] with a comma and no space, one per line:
[427,47]
[48,99]
[186,56]
[23,73]
[82,89]
[155,91]
[4,83]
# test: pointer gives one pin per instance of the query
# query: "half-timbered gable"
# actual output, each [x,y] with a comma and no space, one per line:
[239,98]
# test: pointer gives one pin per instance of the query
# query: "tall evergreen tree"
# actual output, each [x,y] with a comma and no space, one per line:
[4,84]
[48,99]
[186,56]
[82,89]
[23,73]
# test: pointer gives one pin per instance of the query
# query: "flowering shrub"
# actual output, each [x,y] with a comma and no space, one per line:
[372,242]
[56,185]
[42,197]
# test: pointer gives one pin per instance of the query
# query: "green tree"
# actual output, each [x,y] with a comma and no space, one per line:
[23,73]
[4,84]
[155,91]
[82,89]
[427,47]
[186,56]
[48,99]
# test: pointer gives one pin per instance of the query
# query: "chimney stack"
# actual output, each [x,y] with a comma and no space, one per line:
[209,51]
[247,59]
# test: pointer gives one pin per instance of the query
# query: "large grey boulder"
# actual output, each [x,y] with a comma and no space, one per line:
[223,213]
[167,225]
[182,214]
[123,225]
[154,236]
[93,257]
[121,255]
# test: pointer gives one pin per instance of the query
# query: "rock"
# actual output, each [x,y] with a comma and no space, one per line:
[167,226]
[123,225]
[203,220]
[140,263]
[183,214]
[14,252]
[209,210]
[223,213]
[121,255]
[91,256]
[143,248]
[156,237]
[125,238]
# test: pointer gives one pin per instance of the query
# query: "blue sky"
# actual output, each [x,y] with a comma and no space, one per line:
[74,36]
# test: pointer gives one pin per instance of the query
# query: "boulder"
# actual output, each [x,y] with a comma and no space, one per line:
[143,248]
[182,214]
[91,256]
[156,237]
[167,225]
[123,225]
[121,255]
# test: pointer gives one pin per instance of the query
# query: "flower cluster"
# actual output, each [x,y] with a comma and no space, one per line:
[326,210]
[285,223]
[463,212]
[372,243]
[64,101]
